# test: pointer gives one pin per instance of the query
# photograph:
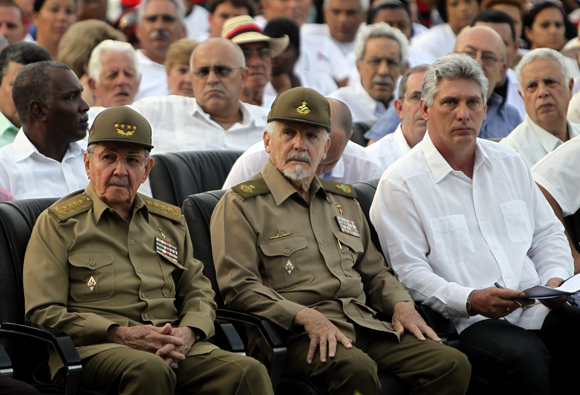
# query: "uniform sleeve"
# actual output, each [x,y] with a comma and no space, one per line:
[234,245]
[46,285]
[195,298]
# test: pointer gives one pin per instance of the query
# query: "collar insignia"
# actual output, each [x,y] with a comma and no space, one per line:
[344,188]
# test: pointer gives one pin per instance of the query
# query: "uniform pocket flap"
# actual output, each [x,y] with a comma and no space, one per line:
[91,260]
[354,243]
[284,246]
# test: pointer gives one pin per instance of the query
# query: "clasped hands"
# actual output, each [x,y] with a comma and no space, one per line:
[493,302]
[171,344]
[324,335]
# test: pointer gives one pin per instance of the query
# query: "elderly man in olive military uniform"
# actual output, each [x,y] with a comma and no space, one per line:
[296,249]
[115,271]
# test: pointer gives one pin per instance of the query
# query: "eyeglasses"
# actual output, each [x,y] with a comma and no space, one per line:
[413,98]
[262,53]
[219,70]
[375,63]
[486,58]
[134,161]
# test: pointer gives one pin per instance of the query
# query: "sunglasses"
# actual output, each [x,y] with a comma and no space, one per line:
[219,70]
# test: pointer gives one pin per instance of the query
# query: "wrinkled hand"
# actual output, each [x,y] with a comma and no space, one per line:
[496,302]
[557,302]
[173,354]
[143,337]
[407,317]
[323,334]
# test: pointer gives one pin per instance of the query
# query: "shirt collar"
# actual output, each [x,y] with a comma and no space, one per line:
[279,186]
[376,107]
[7,127]
[247,118]
[23,148]
[548,141]
[100,207]
[440,168]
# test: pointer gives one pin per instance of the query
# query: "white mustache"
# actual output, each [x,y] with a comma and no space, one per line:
[297,155]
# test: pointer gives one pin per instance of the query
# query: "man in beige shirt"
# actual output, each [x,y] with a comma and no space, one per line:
[296,250]
[115,271]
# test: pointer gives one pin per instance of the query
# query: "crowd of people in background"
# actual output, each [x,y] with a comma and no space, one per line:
[483,96]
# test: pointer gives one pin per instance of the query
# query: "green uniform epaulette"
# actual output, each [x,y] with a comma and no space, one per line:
[338,188]
[70,205]
[251,188]
[164,209]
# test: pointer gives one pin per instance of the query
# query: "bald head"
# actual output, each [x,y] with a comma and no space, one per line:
[486,46]
[340,132]
[218,73]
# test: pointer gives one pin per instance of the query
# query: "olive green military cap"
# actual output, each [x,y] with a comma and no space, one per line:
[301,105]
[121,125]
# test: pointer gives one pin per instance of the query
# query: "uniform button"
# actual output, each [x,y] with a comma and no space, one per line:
[482,217]
[92,263]
[280,319]
[139,271]
[147,316]
[508,276]
[321,241]
[495,247]
[143,295]
[132,241]
[286,251]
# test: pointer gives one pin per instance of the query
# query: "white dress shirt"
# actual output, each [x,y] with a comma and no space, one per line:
[180,124]
[153,78]
[390,148]
[574,108]
[534,142]
[197,23]
[353,166]
[512,96]
[320,53]
[558,173]
[437,41]
[362,106]
[27,174]
[446,234]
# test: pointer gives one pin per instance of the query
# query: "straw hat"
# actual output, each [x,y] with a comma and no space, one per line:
[243,29]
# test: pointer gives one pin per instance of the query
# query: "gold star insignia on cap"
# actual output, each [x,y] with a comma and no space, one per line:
[303,109]
[125,130]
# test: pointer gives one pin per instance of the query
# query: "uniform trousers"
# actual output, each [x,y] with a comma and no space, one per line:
[428,366]
[9,386]
[516,360]
[129,371]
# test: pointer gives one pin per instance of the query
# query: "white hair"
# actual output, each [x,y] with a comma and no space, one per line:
[178,3]
[380,30]
[363,4]
[95,66]
[542,53]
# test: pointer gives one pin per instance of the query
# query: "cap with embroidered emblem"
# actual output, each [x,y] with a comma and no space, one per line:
[301,105]
[121,125]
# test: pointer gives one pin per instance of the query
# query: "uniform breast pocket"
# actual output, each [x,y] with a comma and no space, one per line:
[452,240]
[286,261]
[515,215]
[91,275]
[349,248]
[169,268]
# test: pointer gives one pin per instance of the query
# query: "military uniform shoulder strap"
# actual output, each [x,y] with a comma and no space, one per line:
[70,205]
[163,209]
[251,188]
[338,188]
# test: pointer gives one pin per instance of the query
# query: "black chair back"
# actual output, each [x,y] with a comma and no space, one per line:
[17,219]
[177,175]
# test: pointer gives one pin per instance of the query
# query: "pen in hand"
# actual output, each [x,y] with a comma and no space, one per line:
[498,285]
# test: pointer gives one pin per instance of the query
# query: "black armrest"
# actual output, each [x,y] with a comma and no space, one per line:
[227,337]
[271,343]
[5,363]
[60,341]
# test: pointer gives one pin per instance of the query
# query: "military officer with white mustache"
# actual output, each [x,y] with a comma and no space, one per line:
[381,52]
[296,249]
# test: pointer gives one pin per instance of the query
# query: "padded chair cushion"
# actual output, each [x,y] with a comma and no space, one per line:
[177,175]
